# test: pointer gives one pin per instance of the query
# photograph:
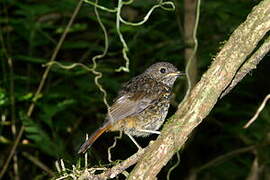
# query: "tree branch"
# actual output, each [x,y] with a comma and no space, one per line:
[206,93]
[250,64]
[119,168]
[231,62]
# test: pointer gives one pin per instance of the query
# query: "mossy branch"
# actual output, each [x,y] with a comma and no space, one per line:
[203,97]
[206,93]
[224,68]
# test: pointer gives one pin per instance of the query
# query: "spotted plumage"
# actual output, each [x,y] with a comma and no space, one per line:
[142,103]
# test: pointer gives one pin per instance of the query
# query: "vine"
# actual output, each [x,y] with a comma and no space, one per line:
[74,173]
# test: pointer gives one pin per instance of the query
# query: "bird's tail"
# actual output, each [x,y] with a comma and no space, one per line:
[87,144]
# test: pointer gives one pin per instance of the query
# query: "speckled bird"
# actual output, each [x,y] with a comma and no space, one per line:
[142,104]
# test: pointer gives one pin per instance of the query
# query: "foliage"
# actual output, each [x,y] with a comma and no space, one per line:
[71,105]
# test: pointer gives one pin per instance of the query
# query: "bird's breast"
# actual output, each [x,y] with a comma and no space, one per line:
[149,119]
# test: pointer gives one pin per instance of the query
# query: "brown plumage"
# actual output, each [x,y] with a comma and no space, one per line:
[142,104]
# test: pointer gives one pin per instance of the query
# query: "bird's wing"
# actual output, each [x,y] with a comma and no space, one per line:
[127,105]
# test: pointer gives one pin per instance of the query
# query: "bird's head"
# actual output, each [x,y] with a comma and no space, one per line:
[164,72]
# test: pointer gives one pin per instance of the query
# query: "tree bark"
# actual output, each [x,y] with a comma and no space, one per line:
[206,93]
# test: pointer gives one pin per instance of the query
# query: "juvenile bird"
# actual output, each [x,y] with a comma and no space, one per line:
[142,105]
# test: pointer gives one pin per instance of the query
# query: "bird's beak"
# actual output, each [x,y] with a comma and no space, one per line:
[178,73]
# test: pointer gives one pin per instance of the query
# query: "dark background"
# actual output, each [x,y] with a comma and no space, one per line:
[71,105]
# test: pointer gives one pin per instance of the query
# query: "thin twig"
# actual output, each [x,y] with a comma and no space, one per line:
[41,85]
[259,110]
[11,152]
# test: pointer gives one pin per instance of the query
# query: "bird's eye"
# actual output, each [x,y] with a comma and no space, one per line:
[162,70]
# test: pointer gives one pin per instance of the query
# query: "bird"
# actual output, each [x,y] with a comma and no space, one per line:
[141,105]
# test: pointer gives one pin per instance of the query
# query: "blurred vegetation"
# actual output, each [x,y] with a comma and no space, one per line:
[71,105]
